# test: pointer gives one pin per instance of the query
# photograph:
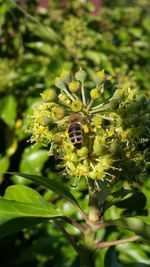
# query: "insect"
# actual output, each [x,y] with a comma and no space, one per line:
[76,130]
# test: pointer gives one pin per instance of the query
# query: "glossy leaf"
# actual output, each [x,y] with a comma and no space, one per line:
[51,184]
[140,225]
[33,161]
[111,258]
[4,164]
[134,253]
[127,199]
[22,207]
[8,110]
[24,194]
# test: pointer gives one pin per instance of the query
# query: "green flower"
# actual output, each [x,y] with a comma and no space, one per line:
[93,137]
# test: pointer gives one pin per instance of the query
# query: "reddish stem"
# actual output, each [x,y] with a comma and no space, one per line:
[116,242]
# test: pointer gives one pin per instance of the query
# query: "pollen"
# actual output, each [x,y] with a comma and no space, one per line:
[85,128]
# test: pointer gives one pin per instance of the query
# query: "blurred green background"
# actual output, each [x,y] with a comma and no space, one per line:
[36,43]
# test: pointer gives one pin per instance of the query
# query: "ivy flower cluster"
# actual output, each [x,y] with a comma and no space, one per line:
[89,134]
[78,37]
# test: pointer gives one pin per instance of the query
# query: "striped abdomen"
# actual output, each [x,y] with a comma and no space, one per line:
[76,134]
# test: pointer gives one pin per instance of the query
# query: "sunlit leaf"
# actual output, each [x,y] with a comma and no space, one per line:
[140,225]
[51,184]
[22,207]
[128,199]
[4,164]
[8,111]
[24,194]
[133,254]
[33,161]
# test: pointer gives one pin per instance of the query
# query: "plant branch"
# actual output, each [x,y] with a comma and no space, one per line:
[94,209]
[75,224]
[102,225]
[68,237]
[84,215]
[117,242]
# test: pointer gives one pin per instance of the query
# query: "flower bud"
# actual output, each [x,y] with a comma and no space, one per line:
[76,106]
[118,94]
[68,147]
[65,76]
[48,95]
[74,86]
[64,99]
[97,121]
[44,120]
[82,152]
[95,93]
[100,77]
[81,76]
[58,113]
[57,138]
[101,74]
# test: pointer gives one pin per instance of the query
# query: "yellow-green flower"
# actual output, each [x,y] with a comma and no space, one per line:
[91,135]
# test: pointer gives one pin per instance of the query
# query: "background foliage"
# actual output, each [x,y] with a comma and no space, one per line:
[36,44]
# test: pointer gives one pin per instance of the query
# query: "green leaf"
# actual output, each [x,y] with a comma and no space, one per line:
[111,258]
[133,254]
[127,199]
[53,185]
[22,207]
[94,56]
[33,161]
[43,31]
[4,164]
[8,111]
[23,194]
[42,47]
[140,225]
[116,197]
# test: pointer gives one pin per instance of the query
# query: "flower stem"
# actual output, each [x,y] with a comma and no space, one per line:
[83,95]
[90,105]
[100,109]
[64,90]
